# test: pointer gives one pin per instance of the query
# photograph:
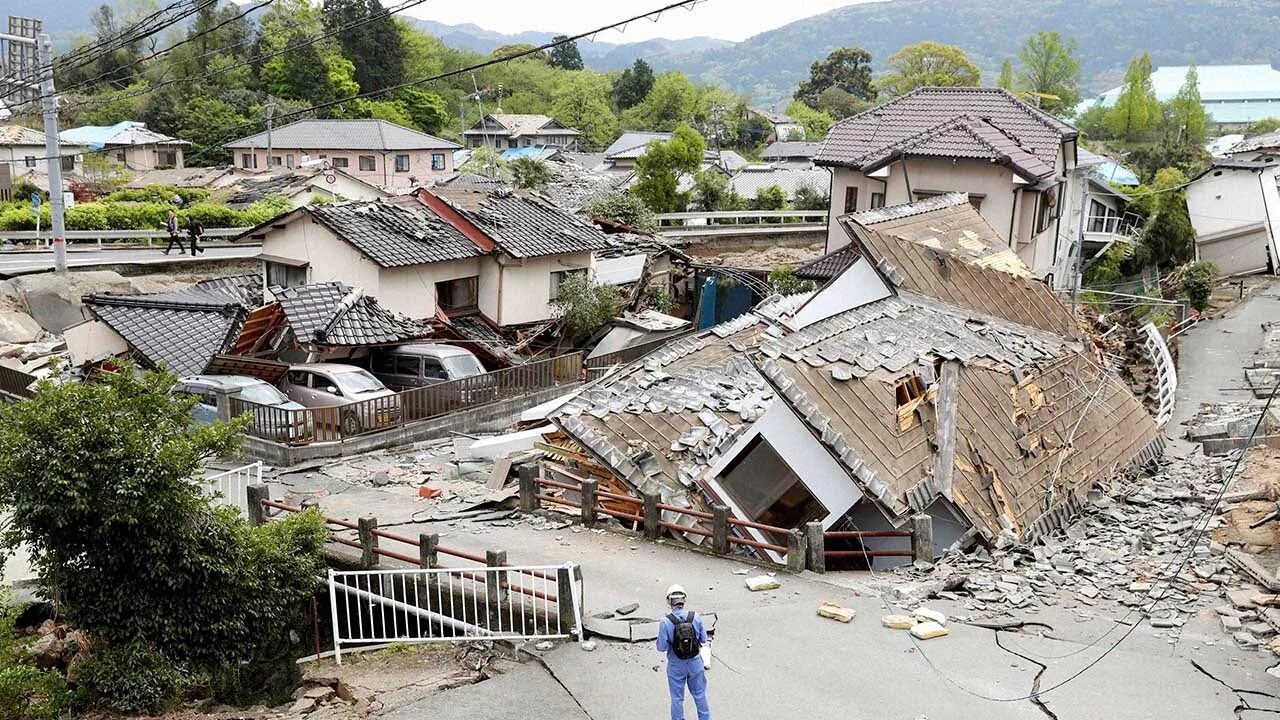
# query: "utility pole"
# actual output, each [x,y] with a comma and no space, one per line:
[271,114]
[1079,243]
[53,150]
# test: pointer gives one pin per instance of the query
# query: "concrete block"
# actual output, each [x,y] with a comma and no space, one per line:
[928,631]
[762,582]
[835,612]
[18,327]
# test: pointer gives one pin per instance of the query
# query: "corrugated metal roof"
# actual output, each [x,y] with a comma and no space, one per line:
[345,135]
[632,143]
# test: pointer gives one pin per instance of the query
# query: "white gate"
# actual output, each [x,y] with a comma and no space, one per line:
[454,605]
[232,487]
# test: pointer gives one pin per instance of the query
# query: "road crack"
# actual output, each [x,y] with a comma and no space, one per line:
[1242,704]
[1035,683]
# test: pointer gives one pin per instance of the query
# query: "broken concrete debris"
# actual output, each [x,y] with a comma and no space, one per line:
[928,631]
[835,612]
[924,614]
[762,582]
[898,622]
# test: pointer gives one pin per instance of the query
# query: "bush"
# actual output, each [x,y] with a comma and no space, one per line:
[784,281]
[1198,281]
[585,306]
[261,211]
[28,693]
[158,194]
[626,209]
[90,216]
[131,678]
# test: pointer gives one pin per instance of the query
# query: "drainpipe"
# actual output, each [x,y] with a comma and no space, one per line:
[1014,216]
[906,176]
[384,169]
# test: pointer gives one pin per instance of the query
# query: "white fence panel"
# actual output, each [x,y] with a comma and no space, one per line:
[1166,372]
[232,487]
[454,605]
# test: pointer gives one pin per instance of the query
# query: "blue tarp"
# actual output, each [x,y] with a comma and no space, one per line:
[513,153]
[95,136]
[1115,174]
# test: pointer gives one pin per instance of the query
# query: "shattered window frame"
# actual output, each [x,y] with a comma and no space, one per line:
[763,507]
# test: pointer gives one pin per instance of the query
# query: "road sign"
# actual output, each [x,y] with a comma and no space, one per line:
[35,203]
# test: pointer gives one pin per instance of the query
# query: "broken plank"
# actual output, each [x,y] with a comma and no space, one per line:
[501,469]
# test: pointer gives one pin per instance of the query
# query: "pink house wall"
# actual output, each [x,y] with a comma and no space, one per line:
[384,173]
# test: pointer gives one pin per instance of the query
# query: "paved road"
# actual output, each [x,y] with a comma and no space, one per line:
[21,263]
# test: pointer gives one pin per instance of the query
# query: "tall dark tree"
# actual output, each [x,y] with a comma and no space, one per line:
[118,67]
[374,46]
[633,85]
[848,69]
[565,56]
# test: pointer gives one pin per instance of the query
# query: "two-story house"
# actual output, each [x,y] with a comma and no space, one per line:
[375,151]
[22,150]
[443,252]
[1015,162]
[503,131]
[129,145]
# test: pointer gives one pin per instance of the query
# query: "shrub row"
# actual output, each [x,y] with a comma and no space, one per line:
[112,215]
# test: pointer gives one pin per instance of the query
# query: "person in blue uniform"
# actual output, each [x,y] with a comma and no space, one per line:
[682,641]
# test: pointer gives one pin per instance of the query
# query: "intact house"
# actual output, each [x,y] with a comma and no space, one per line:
[502,131]
[23,151]
[924,377]
[375,151]
[788,153]
[129,145]
[781,126]
[1015,162]
[1235,209]
[473,259]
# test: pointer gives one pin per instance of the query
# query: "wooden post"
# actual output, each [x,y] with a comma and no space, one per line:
[720,529]
[652,516]
[817,550]
[589,488]
[796,555]
[256,493]
[427,555]
[368,541]
[528,474]
[922,538]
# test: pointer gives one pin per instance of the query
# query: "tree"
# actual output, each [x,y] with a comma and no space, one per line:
[582,102]
[1187,116]
[770,198]
[839,104]
[1262,127]
[529,173]
[671,101]
[565,56]
[98,480]
[711,191]
[370,41]
[425,109]
[927,64]
[815,123]
[1168,238]
[585,306]
[633,85]
[516,49]
[784,281]
[625,208]
[847,69]
[1198,281]
[1049,67]
[809,197]
[1006,75]
[1136,110]
[659,169]
[202,120]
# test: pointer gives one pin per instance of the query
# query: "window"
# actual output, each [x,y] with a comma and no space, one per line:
[286,276]
[1049,208]
[288,160]
[29,161]
[409,365]
[402,163]
[850,199]
[249,161]
[437,161]
[273,161]
[767,490]
[299,378]
[512,143]
[384,364]
[368,163]
[558,278]
[877,200]
[166,158]
[68,163]
[457,295]
[340,162]
[120,157]
[432,369]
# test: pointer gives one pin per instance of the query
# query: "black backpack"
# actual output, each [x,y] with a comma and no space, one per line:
[684,639]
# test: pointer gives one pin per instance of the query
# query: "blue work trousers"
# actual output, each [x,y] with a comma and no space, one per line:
[687,672]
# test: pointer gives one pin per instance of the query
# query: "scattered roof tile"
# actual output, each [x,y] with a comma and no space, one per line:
[394,236]
[524,225]
[336,314]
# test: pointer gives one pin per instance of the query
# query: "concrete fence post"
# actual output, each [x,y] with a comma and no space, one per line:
[497,589]
[817,550]
[652,516]
[224,405]
[427,554]
[922,538]
[565,618]
[720,529]
[589,499]
[368,542]
[528,474]
[255,493]
[797,558]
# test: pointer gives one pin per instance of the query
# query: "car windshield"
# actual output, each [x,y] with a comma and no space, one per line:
[262,394]
[462,366]
[358,382]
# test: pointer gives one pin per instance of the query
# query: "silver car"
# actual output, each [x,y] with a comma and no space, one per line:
[359,401]
[421,364]
[278,426]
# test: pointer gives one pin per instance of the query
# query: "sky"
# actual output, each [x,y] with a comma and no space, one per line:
[725,19]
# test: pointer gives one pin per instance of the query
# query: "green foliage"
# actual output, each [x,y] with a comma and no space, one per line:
[370,41]
[1262,127]
[131,678]
[98,480]
[529,173]
[711,192]
[770,198]
[809,197]
[157,194]
[1110,268]
[659,298]
[626,209]
[582,102]
[1187,117]
[815,123]
[631,87]
[847,69]
[670,102]
[1006,75]
[425,110]
[201,120]
[1168,237]
[1198,281]
[784,281]
[585,306]
[1049,67]
[1137,110]
[565,56]
[28,693]
[927,63]
[659,169]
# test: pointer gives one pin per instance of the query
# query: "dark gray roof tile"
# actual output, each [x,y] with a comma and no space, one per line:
[393,236]
[335,314]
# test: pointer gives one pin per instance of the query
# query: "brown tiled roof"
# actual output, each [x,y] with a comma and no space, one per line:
[976,123]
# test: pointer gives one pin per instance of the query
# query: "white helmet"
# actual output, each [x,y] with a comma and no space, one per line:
[675,595]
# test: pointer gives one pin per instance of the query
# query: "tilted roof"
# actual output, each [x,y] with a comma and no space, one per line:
[524,225]
[335,314]
[1265,141]
[394,236]
[973,123]
[632,144]
[782,149]
[345,135]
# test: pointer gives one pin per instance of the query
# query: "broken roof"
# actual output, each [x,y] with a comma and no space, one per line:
[183,329]
[392,235]
[974,123]
[127,132]
[191,177]
[335,314]
[1265,141]
[523,225]
[785,149]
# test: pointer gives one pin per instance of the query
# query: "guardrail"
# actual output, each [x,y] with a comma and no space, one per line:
[703,220]
[919,537]
[103,238]
[232,487]
[333,424]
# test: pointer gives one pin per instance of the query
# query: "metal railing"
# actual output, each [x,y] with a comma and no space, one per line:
[450,605]
[232,487]
[1124,225]
[703,220]
[852,545]
[102,238]
[303,427]
[600,364]
[1166,372]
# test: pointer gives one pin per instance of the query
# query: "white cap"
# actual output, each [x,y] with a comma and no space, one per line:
[675,590]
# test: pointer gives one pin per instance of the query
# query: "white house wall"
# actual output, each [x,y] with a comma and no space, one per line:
[853,288]
[411,290]
[1233,211]
[526,287]
[329,258]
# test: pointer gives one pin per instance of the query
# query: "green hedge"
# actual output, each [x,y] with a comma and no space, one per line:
[158,194]
[142,215]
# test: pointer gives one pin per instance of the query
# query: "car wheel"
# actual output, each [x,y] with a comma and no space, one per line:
[351,424]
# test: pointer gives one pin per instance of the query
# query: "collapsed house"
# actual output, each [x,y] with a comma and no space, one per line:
[929,375]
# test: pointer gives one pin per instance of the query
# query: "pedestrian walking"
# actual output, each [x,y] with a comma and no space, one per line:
[175,238]
[683,638]
[194,230]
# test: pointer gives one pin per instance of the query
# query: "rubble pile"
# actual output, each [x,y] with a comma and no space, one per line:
[1224,427]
